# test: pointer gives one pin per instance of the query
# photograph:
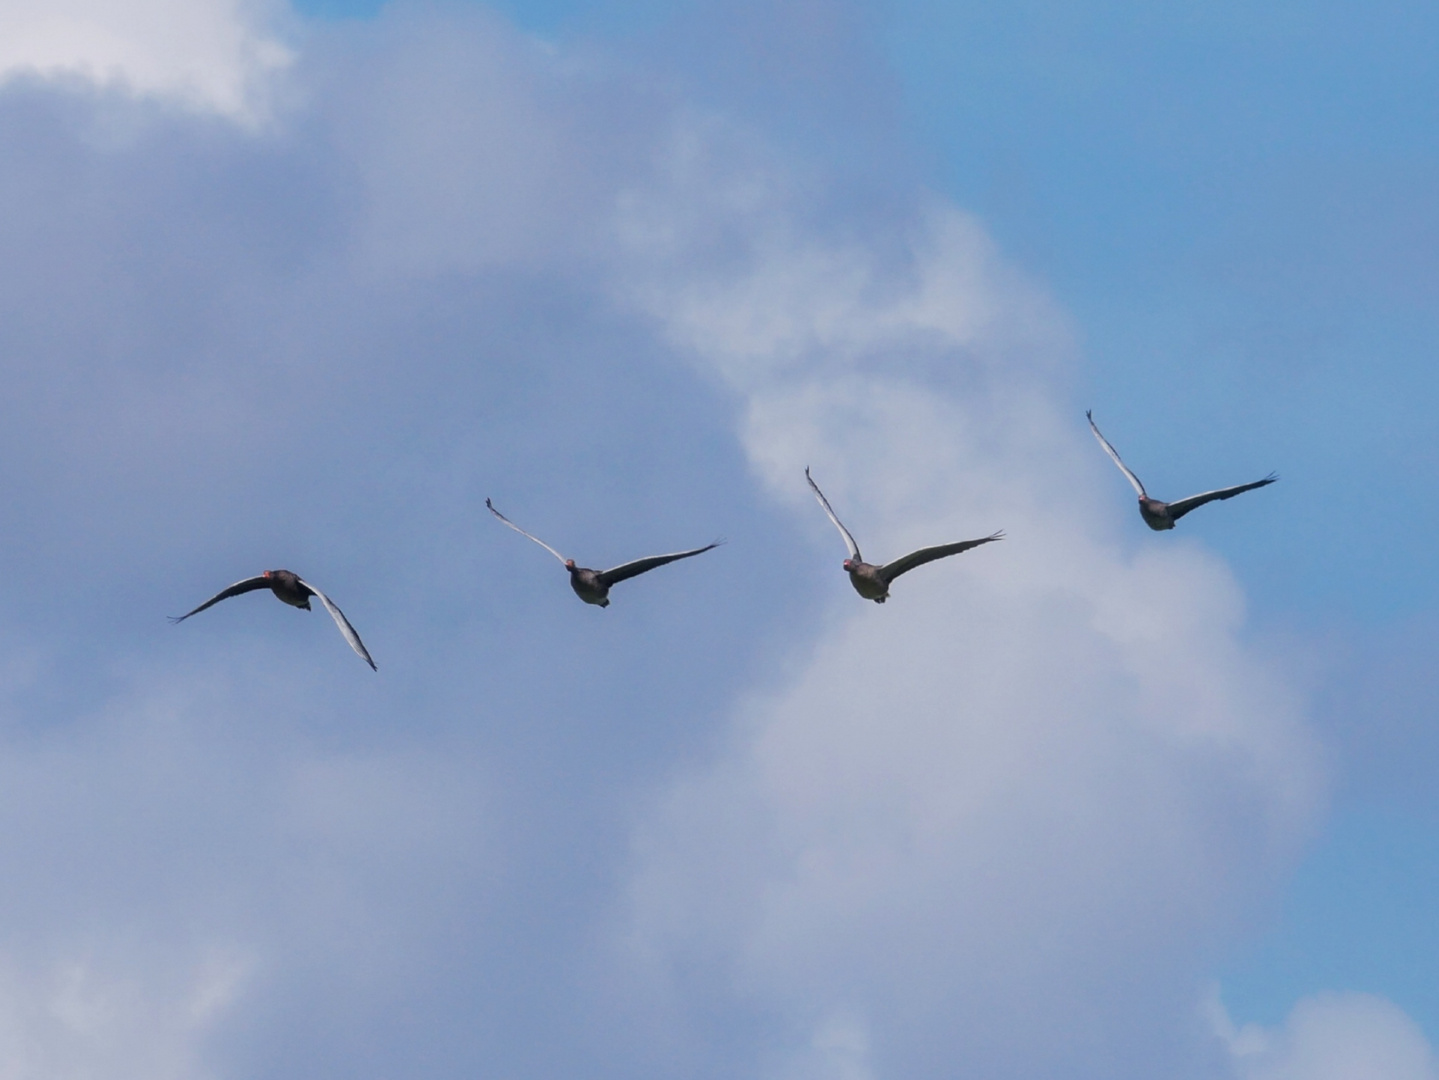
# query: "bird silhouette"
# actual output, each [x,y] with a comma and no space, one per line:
[593,586]
[872,581]
[1160,515]
[290,588]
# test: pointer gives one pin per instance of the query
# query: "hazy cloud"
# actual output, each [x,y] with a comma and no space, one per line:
[212,55]
[1333,1037]
[993,824]
[742,823]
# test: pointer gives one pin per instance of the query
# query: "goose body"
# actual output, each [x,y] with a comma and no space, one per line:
[1160,515]
[295,591]
[872,580]
[593,586]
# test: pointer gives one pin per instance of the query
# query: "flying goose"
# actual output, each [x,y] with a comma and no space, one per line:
[593,586]
[293,591]
[1162,515]
[871,581]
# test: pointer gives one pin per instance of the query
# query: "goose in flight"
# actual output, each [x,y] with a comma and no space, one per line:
[593,586]
[871,581]
[293,591]
[1162,515]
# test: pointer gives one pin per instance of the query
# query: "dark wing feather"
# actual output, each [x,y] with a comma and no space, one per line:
[344,624]
[640,566]
[891,570]
[1178,509]
[248,585]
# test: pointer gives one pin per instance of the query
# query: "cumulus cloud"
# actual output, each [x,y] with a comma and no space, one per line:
[992,826]
[87,1016]
[216,367]
[212,55]
[177,884]
[1332,1037]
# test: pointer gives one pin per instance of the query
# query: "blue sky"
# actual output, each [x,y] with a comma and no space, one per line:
[303,287]
[1232,203]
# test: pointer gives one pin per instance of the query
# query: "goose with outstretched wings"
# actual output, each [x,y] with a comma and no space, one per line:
[593,586]
[1159,515]
[872,581]
[294,591]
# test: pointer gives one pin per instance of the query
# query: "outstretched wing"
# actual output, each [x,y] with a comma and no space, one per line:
[250,584]
[522,532]
[344,625]
[848,540]
[1114,454]
[891,570]
[640,566]
[1178,509]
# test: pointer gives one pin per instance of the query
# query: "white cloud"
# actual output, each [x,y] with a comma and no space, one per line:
[206,54]
[175,882]
[987,828]
[116,1017]
[1332,1037]
[994,820]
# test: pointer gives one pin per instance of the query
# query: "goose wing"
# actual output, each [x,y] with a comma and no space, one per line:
[522,532]
[848,540]
[891,570]
[1178,509]
[344,624]
[1115,455]
[250,584]
[640,566]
